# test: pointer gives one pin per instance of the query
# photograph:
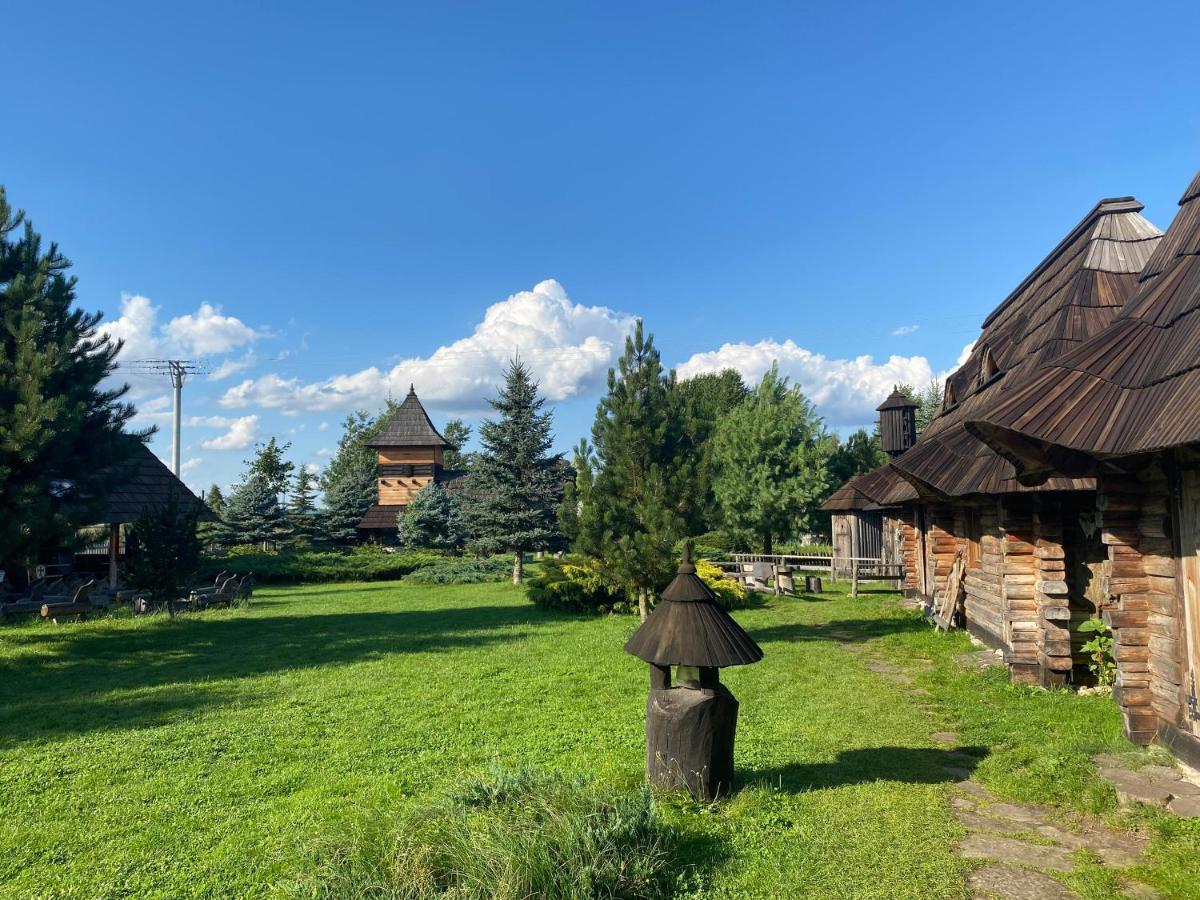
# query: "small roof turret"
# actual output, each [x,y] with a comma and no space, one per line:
[690,628]
[897,399]
[409,426]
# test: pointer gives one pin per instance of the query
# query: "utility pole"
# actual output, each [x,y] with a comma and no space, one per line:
[179,370]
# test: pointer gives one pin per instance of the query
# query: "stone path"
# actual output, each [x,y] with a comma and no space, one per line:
[1018,847]
[1154,785]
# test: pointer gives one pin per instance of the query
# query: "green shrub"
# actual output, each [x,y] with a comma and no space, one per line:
[463,571]
[318,566]
[729,593]
[575,583]
[513,836]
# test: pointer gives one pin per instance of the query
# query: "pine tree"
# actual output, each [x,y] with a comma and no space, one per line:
[302,508]
[577,494]
[253,512]
[457,433]
[860,453]
[348,483]
[433,520]
[516,484]
[168,551]
[771,454]
[636,511]
[62,446]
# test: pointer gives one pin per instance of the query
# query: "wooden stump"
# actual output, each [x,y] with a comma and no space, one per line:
[812,584]
[689,740]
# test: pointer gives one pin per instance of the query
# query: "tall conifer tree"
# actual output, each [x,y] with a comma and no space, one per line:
[62,445]
[638,501]
[302,507]
[516,483]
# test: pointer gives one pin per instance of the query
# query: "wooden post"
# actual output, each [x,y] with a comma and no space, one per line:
[775,575]
[854,555]
[114,547]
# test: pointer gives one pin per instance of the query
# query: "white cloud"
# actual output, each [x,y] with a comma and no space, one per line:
[241,434]
[204,333]
[905,329]
[845,391]
[232,366]
[568,346]
[323,426]
[313,468]
[208,332]
[324,451]
[189,465]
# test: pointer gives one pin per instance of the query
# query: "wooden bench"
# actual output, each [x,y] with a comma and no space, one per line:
[79,603]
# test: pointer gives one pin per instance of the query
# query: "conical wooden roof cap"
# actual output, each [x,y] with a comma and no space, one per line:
[690,628]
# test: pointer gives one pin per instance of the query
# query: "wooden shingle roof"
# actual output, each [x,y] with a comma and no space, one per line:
[409,426]
[1132,388]
[146,482]
[877,489]
[1072,295]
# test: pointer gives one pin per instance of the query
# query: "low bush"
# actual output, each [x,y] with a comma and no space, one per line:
[579,584]
[518,835]
[312,566]
[575,583]
[466,570]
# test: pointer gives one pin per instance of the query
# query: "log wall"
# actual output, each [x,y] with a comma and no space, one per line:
[985,608]
[401,491]
[942,541]
[910,548]
[1144,609]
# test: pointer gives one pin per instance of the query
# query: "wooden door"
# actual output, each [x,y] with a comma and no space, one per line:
[1189,548]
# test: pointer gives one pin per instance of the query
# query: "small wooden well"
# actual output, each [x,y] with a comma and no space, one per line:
[690,726]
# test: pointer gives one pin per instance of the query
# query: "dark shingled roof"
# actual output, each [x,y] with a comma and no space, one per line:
[146,482]
[688,627]
[1131,388]
[381,516]
[1073,294]
[409,426]
[897,400]
[877,489]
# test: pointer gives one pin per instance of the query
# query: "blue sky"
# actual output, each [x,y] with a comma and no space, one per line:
[306,195]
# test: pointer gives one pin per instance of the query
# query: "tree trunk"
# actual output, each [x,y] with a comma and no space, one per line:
[767,543]
[643,606]
[518,566]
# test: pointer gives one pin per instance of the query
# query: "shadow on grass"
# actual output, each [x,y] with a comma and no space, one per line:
[78,680]
[866,765]
[839,630]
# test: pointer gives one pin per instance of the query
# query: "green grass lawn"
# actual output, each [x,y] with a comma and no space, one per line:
[228,753]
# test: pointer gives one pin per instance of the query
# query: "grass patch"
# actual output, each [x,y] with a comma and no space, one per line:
[516,834]
[272,750]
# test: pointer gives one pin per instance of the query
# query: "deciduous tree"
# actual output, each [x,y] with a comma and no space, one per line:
[771,453]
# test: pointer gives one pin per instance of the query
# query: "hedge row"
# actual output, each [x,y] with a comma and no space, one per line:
[313,566]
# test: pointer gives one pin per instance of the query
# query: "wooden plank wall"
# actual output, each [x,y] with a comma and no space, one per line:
[942,541]
[1020,524]
[1051,592]
[1144,608]
[985,607]
[393,490]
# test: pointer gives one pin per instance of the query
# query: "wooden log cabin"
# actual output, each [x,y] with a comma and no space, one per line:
[1123,408]
[410,455]
[1033,554]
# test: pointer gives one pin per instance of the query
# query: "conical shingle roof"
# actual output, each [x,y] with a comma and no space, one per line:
[689,627]
[1073,294]
[1131,388]
[409,426]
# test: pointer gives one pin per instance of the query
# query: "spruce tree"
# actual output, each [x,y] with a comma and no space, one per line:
[516,483]
[771,453]
[433,520]
[253,512]
[302,508]
[168,551]
[639,498]
[62,445]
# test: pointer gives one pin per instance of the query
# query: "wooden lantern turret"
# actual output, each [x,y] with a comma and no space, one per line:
[897,423]
[690,727]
